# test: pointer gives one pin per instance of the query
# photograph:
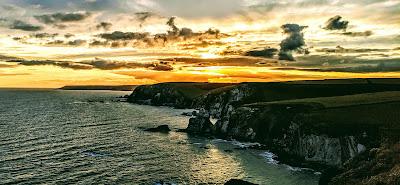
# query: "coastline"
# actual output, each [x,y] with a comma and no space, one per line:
[288,118]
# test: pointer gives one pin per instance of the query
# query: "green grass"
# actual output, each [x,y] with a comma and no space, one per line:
[341,101]
[347,113]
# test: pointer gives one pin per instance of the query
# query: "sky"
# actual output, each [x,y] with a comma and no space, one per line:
[53,43]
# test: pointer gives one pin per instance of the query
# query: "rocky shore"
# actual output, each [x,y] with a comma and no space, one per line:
[339,126]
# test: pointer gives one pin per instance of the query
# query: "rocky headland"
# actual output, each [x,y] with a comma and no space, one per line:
[343,127]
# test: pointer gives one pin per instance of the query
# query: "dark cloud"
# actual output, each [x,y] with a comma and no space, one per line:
[143,16]
[55,42]
[98,43]
[335,23]
[162,67]
[62,17]
[186,32]
[226,61]
[294,41]
[60,26]
[338,63]
[118,35]
[77,42]
[358,34]
[104,25]
[17,38]
[340,49]
[68,35]
[44,35]
[267,52]
[175,35]
[114,65]
[21,25]
[63,64]
[370,68]
[96,64]
[174,30]
[200,44]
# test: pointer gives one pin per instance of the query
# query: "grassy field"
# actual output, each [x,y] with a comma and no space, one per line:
[342,101]
[343,115]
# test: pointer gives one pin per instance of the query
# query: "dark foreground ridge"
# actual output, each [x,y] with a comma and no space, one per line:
[349,128]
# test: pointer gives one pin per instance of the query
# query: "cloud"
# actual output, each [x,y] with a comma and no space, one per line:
[267,52]
[56,42]
[174,30]
[63,64]
[113,65]
[196,8]
[104,25]
[62,17]
[340,49]
[335,23]
[359,34]
[6,65]
[226,61]
[98,63]
[294,41]
[118,35]
[337,63]
[44,35]
[77,42]
[143,16]
[21,25]
[174,34]
[98,43]
[68,35]
[5,58]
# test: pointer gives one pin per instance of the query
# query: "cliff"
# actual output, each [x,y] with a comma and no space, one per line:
[178,94]
[327,131]
[317,124]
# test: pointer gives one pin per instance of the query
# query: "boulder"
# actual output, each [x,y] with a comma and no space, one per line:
[200,125]
[238,182]
[161,128]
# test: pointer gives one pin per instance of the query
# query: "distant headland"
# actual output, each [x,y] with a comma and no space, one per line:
[100,87]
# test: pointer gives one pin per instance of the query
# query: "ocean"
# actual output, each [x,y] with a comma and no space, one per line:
[88,137]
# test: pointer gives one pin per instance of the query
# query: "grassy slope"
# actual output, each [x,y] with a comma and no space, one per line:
[343,115]
[342,101]
[193,90]
[277,91]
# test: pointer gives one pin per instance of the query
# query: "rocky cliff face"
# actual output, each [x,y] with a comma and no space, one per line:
[287,131]
[160,95]
[317,132]
[178,95]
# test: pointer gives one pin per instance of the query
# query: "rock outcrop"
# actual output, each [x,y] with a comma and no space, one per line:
[161,128]
[238,182]
[376,166]
[160,95]
[201,124]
